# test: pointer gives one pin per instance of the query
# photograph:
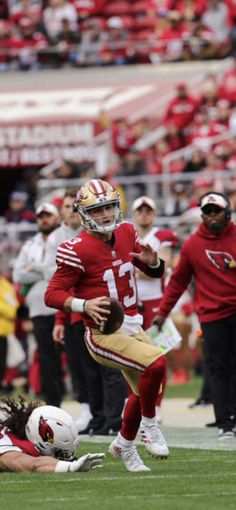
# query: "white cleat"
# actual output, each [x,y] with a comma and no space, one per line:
[154,441]
[129,457]
[83,421]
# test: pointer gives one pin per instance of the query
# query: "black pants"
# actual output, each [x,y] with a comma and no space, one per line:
[102,387]
[220,353]
[49,359]
[3,357]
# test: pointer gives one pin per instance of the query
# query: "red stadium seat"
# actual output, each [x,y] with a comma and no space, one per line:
[145,22]
[117,8]
[139,7]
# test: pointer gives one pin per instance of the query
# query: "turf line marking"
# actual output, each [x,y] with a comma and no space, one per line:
[99,479]
[138,497]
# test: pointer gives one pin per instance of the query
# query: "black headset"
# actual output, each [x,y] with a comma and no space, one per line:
[228,210]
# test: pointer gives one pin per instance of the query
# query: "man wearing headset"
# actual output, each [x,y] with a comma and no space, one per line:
[209,256]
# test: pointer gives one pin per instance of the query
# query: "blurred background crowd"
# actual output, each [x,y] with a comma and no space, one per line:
[45,33]
[172,157]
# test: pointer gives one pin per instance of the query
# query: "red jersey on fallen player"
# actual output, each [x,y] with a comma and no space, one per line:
[10,443]
[93,268]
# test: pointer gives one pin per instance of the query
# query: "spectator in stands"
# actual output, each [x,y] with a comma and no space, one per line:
[28,271]
[123,137]
[216,17]
[227,87]
[133,165]
[181,109]
[209,256]
[18,211]
[196,161]
[26,8]
[27,45]
[8,311]
[178,200]
[5,44]
[221,123]
[116,42]
[170,40]
[92,39]
[209,96]
[64,45]
[55,12]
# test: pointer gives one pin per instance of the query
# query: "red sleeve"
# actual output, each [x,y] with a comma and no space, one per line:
[61,318]
[177,283]
[168,237]
[59,287]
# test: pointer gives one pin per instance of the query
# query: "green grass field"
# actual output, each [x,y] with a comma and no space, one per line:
[189,479]
[200,473]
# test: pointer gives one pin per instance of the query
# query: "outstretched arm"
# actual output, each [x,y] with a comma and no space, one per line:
[18,461]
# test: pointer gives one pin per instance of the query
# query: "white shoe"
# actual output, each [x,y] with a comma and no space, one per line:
[153,440]
[84,419]
[129,457]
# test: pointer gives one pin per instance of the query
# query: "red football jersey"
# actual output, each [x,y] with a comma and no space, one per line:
[10,443]
[93,268]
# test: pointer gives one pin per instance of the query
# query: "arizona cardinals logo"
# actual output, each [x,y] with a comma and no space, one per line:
[221,259]
[45,431]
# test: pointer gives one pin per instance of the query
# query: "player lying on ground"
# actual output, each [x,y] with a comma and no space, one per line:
[40,438]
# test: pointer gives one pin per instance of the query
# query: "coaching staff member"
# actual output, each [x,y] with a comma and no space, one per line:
[209,256]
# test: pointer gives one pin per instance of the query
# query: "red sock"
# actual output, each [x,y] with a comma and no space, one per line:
[163,387]
[132,417]
[149,386]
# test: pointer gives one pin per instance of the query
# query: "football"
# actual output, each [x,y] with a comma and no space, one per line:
[115,319]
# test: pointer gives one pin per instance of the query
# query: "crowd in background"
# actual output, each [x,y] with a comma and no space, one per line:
[53,33]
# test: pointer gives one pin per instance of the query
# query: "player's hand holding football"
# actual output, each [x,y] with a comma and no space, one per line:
[148,255]
[97,309]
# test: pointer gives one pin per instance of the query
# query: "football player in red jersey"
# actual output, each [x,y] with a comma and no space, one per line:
[41,439]
[162,240]
[100,263]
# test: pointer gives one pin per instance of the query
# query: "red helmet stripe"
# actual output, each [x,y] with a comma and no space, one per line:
[98,187]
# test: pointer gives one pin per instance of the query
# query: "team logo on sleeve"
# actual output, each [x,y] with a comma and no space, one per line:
[221,259]
[45,431]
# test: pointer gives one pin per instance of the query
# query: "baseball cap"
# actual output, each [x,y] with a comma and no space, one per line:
[143,201]
[48,208]
[19,195]
[214,199]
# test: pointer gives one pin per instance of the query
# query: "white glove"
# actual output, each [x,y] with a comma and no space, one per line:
[84,463]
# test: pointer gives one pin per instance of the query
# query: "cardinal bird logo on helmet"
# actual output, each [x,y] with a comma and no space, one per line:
[221,259]
[45,431]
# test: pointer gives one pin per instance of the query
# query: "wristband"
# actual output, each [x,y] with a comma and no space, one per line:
[156,265]
[77,305]
[62,466]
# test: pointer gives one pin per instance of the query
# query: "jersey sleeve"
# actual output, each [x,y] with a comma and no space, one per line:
[6,444]
[67,256]
[167,237]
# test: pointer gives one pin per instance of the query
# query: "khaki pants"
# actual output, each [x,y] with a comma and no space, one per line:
[130,354]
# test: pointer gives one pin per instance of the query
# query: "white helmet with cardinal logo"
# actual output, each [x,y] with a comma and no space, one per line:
[53,432]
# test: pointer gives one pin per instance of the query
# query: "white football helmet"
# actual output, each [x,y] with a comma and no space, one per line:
[93,194]
[53,432]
